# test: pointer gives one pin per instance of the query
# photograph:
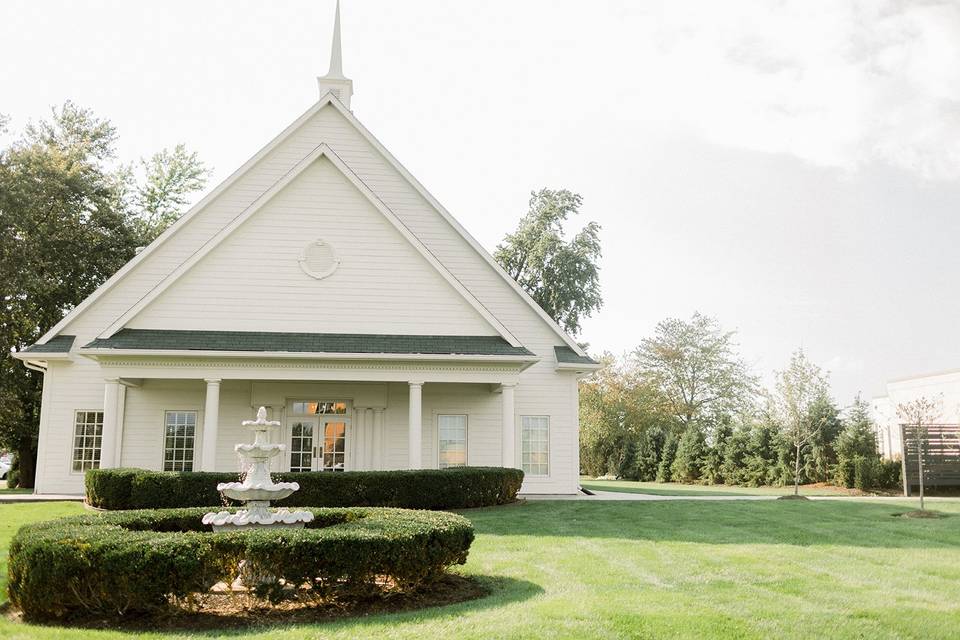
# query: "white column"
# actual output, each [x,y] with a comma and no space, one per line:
[368,439]
[415,427]
[211,425]
[108,436]
[359,437]
[118,438]
[509,431]
[378,438]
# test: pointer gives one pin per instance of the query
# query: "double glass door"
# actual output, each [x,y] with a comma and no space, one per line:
[318,443]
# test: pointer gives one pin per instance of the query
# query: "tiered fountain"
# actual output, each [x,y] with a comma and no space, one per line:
[258,489]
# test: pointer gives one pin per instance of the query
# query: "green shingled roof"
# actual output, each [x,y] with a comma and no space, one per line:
[56,344]
[154,339]
[566,355]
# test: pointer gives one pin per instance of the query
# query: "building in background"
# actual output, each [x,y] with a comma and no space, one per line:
[944,385]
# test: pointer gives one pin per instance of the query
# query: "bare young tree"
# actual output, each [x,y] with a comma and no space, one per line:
[919,414]
[798,389]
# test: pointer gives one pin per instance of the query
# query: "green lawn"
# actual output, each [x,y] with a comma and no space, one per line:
[671,489]
[669,569]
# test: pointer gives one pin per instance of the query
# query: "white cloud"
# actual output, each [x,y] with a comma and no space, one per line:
[836,84]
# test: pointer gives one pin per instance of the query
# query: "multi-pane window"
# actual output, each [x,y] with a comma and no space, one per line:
[180,428]
[452,436]
[318,408]
[301,445]
[87,434]
[535,445]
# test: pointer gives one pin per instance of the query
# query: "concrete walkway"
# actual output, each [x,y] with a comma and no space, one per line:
[600,496]
[16,498]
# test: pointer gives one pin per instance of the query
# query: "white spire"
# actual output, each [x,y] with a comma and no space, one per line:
[336,56]
[335,82]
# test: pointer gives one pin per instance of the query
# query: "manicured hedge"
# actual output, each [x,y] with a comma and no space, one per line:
[458,488]
[136,561]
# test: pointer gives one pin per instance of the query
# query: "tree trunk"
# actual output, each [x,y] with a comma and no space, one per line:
[920,464]
[26,462]
[796,473]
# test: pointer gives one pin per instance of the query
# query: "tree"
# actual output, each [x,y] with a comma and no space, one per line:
[919,414]
[617,410]
[169,178]
[799,389]
[695,366]
[66,225]
[562,276]
[691,453]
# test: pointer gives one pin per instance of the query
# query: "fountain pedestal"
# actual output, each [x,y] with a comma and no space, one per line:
[258,490]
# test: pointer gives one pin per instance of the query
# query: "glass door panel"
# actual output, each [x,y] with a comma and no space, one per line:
[334,445]
[302,434]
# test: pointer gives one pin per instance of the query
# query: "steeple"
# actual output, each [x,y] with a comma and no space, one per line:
[335,81]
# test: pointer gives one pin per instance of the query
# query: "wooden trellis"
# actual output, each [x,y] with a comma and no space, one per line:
[941,456]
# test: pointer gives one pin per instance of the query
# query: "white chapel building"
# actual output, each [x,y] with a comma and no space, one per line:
[320,280]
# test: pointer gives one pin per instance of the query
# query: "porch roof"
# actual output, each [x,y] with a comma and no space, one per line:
[566,355]
[56,344]
[327,343]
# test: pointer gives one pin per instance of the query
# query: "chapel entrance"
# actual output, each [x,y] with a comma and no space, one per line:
[318,436]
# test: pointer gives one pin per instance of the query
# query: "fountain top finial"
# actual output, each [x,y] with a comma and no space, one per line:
[261,421]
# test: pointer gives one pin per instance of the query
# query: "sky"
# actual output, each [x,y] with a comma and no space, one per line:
[791,168]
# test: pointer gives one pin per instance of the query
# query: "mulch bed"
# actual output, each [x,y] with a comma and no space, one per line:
[925,513]
[241,610]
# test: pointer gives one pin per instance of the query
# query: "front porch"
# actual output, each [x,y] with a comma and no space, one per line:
[180,423]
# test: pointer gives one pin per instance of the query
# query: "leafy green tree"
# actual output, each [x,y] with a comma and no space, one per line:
[695,365]
[820,458]
[616,409]
[691,452]
[169,179]
[713,472]
[62,233]
[667,456]
[68,221]
[799,388]
[563,276]
[859,434]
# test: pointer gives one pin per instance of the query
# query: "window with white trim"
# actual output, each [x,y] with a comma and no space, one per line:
[87,436]
[535,445]
[452,439]
[180,429]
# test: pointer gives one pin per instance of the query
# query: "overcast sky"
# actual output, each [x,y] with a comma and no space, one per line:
[792,168]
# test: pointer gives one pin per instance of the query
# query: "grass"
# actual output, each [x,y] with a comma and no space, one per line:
[4,490]
[667,569]
[671,489]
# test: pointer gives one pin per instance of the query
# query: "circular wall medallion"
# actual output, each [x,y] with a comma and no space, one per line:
[318,259]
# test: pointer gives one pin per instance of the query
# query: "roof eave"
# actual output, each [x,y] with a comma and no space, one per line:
[97,354]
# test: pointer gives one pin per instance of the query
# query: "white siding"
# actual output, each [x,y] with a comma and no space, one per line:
[252,281]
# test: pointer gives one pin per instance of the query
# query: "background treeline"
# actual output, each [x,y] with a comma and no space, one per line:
[683,407]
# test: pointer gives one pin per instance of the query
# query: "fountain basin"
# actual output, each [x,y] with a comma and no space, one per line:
[243,492]
[256,517]
[258,450]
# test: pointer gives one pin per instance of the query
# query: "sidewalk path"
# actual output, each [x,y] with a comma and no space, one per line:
[638,497]
[14,498]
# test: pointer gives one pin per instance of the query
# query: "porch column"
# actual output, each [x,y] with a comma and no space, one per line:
[509,433]
[211,425]
[111,421]
[378,438]
[415,427]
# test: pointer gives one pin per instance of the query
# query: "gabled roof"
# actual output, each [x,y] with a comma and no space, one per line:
[326,99]
[319,343]
[322,151]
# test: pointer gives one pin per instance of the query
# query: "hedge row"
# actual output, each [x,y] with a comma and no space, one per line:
[136,561]
[458,488]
